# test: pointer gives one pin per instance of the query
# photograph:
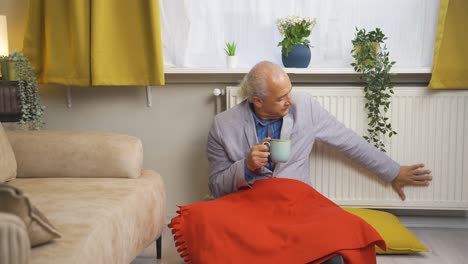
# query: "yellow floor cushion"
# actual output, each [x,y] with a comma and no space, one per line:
[398,238]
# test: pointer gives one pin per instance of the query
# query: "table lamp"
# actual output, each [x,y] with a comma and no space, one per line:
[3,38]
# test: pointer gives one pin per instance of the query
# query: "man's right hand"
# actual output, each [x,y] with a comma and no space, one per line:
[258,156]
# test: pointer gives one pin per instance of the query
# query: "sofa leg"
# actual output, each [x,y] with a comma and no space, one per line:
[158,248]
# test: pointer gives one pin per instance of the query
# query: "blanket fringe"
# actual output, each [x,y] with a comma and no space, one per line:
[176,225]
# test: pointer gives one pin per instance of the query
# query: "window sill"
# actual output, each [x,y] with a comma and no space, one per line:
[297,75]
[169,70]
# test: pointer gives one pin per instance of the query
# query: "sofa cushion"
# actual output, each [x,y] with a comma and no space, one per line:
[76,154]
[102,220]
[13,201]
[7,158]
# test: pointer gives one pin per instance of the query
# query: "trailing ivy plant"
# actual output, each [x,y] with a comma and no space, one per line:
[28,93]
[372,61]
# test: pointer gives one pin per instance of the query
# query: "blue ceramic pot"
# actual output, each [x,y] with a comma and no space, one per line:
[299,57]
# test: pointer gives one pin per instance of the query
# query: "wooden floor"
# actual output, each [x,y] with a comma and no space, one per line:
[447,245]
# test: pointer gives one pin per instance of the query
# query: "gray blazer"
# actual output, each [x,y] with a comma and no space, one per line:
[233,134]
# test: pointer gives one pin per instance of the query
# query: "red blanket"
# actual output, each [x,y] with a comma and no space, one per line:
[276,221]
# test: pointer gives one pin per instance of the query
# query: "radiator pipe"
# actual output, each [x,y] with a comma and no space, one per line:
[217,93]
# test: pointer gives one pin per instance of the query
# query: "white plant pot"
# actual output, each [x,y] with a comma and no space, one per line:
[231,61]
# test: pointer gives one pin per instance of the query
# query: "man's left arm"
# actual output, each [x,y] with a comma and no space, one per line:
[330,131]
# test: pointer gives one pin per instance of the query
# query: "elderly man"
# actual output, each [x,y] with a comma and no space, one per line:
[268,212]
[272,110]
[238,156]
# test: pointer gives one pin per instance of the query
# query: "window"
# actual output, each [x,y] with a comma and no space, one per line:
[194,32]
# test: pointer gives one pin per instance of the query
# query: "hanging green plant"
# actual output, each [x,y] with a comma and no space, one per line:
[372,61]
[28,93]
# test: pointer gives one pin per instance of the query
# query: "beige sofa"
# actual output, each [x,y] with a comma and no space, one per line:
[90,186]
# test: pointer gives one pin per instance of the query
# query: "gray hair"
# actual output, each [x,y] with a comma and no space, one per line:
[255,82]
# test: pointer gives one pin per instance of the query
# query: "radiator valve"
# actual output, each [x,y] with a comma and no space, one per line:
[218,92]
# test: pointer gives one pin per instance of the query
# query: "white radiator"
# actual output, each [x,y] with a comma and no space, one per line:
[432,128]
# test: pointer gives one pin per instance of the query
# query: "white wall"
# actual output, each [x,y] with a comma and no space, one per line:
[174,130]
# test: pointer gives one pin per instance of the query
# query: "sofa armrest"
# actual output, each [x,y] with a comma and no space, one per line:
[76,154]
[14,241]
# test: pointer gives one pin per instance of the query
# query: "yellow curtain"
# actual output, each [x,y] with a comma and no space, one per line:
[450,66]
[95,42]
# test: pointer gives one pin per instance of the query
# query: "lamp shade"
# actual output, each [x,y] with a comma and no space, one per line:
[3,36]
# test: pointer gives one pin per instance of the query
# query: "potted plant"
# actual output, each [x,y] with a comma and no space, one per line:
[27,91]
[8,68]
[295,47]
[372,61]
[3,67]
[231,58]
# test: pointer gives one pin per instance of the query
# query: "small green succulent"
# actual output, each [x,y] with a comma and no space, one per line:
[230,48]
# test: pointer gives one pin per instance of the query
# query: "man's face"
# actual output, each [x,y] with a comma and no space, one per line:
[276,103]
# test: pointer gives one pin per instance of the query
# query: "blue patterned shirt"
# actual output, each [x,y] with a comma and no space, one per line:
[268,128]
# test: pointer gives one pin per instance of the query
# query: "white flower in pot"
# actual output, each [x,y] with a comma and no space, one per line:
[295,46]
